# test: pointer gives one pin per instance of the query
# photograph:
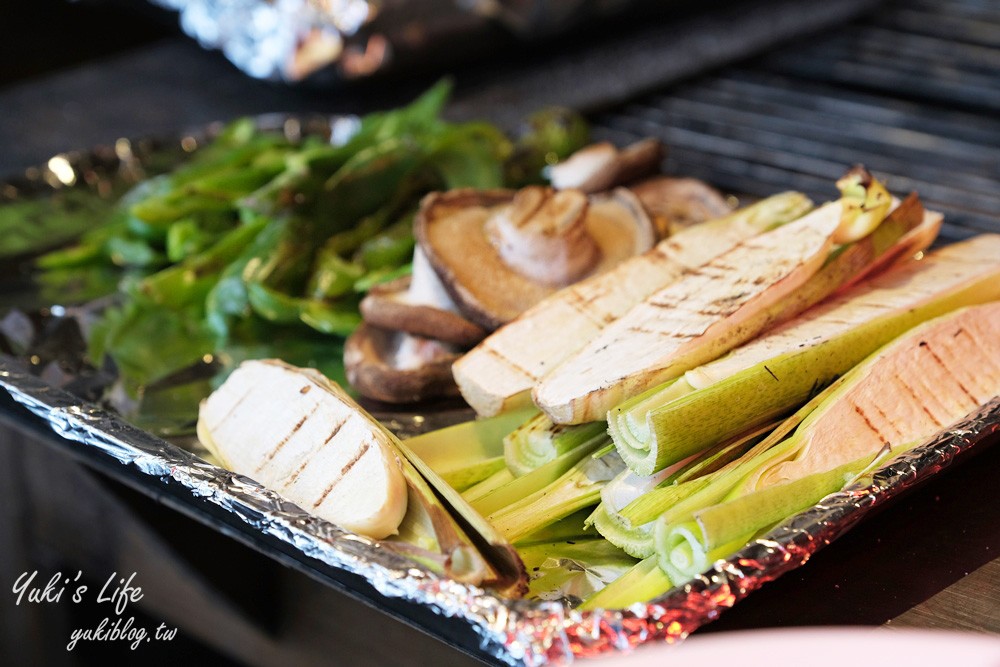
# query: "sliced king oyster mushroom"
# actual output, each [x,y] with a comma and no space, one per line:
[397,367]
[602,166]
[498,253]
[419,305]
[315,450]
[301,435]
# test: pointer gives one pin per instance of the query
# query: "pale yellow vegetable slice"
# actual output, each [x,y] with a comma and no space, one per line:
[500,372]
[709,311]
[289,430]
[302,436]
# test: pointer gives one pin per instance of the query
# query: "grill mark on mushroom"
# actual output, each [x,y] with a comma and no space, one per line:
[231,410]
[343,472]
[306,459]
[284,441]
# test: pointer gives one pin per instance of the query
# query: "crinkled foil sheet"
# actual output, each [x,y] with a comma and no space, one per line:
[335,40]
[514,632]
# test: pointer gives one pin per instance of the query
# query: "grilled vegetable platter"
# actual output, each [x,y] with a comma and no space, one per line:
[528,382]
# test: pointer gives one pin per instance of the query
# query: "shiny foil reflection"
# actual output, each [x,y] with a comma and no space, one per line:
[515,632]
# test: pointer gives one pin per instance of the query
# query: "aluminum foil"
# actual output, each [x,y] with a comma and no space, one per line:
[327,40]
[518,632]
[514,632]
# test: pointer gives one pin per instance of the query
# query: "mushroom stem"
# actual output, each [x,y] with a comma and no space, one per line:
[395,367]
[542,235]
[412,352]
[600,167]
[425,287]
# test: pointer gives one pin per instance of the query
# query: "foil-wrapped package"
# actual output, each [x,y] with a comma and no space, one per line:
[348,39]
[327,42]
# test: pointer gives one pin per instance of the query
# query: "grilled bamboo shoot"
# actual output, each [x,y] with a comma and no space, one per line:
[711,310]
[500,372]
[769,376]
[900,396]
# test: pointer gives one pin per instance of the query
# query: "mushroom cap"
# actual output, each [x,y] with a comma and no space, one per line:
[676,203]
[374,368]
[386,306]
[451,230]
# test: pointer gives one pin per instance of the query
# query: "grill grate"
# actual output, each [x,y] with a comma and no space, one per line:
[912,91]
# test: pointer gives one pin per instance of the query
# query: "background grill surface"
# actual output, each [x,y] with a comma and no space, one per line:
[912,91]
